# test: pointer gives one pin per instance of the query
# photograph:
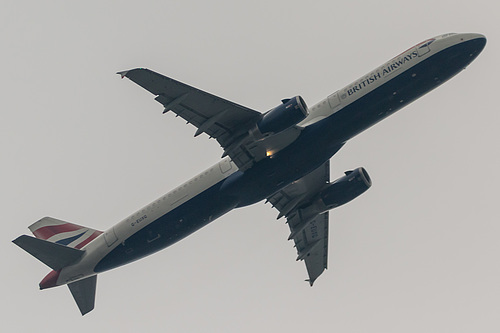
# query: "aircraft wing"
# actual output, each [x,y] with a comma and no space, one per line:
[227,122]
[310,233]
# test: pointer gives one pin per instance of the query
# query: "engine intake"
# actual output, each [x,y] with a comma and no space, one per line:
[290,112]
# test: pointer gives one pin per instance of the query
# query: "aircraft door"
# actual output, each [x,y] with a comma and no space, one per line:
[334,100]
[225,165]
[110,237]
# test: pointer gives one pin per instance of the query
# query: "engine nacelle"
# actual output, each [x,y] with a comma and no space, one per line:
[340,192]
[346,188]
[336,194]
[290,113]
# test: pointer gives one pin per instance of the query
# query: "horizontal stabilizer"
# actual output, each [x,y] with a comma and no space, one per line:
[83,292]
[54,255]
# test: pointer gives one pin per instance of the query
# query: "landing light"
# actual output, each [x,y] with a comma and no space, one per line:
[269,153]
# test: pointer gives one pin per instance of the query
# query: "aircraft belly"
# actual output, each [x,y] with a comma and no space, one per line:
[169,228]
[272,174]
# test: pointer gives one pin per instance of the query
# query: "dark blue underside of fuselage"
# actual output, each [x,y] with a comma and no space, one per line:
[316,144]
[170,228]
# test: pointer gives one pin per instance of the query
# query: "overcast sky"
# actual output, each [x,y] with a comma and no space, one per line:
[418,252]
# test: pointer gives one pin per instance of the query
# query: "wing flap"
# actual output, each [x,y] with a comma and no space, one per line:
[309,232]
[316,259]
[194,105]
[229,123]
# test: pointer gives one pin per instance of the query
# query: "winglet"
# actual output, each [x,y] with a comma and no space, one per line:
[125,73]
[122,73]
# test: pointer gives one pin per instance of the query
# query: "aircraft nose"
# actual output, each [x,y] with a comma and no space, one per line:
[477,36]
[472,44]
[479,40]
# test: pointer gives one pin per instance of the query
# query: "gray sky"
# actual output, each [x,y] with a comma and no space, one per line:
[418,252]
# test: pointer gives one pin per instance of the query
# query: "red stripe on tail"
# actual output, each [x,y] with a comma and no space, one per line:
[88,240]
[51,230]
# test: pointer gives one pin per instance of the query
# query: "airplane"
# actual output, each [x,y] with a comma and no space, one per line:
[281,156]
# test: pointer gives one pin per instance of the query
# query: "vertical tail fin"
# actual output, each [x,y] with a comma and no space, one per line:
[64,233]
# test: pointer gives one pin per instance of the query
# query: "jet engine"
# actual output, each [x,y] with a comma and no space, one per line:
[341,191]
[345,189]
[289,113]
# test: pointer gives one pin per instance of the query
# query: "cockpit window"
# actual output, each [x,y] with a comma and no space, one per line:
[426,43]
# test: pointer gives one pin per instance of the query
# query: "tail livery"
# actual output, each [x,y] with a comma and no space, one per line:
[59,244]
[64,233]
